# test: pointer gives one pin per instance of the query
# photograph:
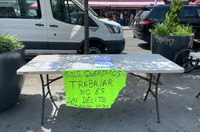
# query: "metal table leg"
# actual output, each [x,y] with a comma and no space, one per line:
[149,90]
[154,94]
[48,81]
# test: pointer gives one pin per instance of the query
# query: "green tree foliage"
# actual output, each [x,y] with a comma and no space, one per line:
[171,25]
[172,19]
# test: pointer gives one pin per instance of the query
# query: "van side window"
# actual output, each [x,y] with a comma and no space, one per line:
[66,11]
[187,13]
[20,9]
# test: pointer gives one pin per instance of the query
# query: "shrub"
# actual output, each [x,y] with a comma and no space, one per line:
[171,26]
[9,43]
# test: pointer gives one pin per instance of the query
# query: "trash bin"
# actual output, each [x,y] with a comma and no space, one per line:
[126,22]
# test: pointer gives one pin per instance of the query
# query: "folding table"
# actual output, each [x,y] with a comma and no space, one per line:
[130,63]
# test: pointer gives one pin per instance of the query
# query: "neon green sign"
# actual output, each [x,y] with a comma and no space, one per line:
[93,88]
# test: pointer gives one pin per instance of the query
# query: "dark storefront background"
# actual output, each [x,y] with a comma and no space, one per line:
[110,7]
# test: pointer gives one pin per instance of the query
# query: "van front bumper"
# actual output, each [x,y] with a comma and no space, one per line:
[115,46]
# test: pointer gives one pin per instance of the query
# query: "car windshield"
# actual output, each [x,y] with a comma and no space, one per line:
[144,14]
[158,14]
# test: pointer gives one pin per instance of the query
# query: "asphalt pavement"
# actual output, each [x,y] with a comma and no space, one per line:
[179,108]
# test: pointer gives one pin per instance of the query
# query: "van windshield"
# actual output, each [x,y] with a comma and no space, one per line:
[89,9]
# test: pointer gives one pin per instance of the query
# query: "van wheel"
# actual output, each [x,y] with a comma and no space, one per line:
[95,49]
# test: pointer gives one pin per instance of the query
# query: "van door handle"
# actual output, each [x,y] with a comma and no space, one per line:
[39,24]
[53,25]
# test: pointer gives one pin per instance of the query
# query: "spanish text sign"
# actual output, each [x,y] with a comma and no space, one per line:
[93,88]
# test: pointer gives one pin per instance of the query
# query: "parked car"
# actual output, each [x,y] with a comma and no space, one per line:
[139,26]
[149,15]
[57,27]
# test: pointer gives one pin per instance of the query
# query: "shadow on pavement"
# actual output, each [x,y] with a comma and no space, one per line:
[179,109]
[125,112]
[145,46]
[178,105]
[25,115]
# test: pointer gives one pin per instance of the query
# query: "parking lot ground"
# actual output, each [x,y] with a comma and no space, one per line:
[179,108]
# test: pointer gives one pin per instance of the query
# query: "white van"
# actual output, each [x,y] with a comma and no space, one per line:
[57,27]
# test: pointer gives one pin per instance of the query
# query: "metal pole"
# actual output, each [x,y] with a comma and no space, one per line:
[155,2]
[86,24]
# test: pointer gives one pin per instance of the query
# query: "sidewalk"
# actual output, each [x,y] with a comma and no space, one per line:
[179,109]
[126,28]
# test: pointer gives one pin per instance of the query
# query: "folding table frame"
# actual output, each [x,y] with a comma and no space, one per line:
[131,63]
[49,81]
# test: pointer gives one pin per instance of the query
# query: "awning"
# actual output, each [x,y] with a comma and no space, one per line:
[33,6]
[121,4]
[120,8]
